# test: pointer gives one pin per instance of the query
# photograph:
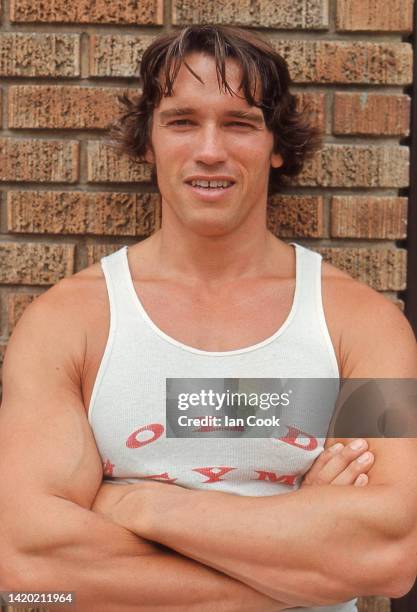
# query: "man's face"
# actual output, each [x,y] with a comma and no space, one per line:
[196,137]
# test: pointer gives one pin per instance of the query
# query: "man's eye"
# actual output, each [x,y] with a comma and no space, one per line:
[185,121]
[180,122]
[240,124]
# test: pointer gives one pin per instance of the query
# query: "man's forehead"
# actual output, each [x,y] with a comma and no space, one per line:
[186,85]
[200,61]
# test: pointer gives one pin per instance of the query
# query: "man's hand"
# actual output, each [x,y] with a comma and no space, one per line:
[341,465]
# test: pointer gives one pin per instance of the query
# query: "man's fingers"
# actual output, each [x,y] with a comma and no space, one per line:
[320,462]
[361,480]
[357,467]
[340,461]
[339,465]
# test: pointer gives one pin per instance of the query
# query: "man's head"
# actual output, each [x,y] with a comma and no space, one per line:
[189,121]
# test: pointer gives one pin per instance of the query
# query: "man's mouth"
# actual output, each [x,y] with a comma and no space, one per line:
[210,189]
[211,184]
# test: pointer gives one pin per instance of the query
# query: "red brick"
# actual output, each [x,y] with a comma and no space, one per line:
[135,12]
[374,604]
[66,212]
[16,305]
[315,106]
[96,251]
[369,217]
[338,165]
[35,263]
[374,15]
[38,160]
[117,55]
[369,114]
[384,269]
[62,107]
[25,54]
[329,61]
[290,216]
[106,165]
[286,14]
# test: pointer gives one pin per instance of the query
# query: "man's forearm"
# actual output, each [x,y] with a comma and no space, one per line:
[69,548]
[315,546]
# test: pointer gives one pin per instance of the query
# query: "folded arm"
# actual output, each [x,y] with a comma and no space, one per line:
[316,546]
[320,545]
[50,473]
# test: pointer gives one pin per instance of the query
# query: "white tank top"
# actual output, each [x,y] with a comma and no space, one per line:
[127,410]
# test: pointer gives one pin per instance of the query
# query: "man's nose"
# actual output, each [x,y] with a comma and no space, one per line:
[210,146]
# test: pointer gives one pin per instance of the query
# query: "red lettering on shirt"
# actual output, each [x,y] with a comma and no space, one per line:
[211,475]
[157,430]
[108,468]
[286,479]
[294,433]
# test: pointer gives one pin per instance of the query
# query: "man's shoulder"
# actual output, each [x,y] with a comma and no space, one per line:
[72,294]
[347,299]
[369,325]
[371,334]
[354,297]
[65,310]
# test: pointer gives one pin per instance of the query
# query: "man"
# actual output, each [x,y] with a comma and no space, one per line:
[212,293]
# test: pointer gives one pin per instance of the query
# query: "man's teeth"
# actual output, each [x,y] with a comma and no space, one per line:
[212,184]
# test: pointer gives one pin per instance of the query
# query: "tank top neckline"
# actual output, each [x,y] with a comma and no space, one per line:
[195,350]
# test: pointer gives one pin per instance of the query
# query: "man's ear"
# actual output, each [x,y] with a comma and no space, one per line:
[276,160]
[149,156]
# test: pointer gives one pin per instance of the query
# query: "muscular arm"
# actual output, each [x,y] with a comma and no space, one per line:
[323,545]
[50,472]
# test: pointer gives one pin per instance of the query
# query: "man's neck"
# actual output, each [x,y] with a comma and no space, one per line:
[216,260]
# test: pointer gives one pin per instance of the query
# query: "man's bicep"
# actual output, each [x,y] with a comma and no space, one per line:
[47,444]
[378,341]
[382,349]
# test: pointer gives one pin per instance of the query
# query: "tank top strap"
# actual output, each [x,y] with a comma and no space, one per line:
[116,274]
[308,282]
[310,320]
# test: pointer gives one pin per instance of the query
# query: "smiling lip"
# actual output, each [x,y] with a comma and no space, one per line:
[208,194]
[220,177]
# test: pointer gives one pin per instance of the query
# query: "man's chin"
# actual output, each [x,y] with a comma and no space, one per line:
[210,228]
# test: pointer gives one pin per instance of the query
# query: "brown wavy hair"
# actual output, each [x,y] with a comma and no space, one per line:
[294,137]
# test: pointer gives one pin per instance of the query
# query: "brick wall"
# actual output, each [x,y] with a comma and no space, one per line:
[66,199]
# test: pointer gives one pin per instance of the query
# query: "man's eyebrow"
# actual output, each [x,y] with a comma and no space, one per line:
[175,112]
[240,114]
